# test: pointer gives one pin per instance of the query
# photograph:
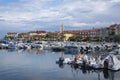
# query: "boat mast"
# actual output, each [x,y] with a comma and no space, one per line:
[119,48]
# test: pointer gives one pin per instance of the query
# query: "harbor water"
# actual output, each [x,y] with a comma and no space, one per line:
[41,65]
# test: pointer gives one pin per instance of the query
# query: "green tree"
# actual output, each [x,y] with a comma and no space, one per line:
[62,37]
[75,38]
[72,38]
[78,38]
[97,38]
[117,38]
[9,37]
[48,37]
[107,38]
[87,38]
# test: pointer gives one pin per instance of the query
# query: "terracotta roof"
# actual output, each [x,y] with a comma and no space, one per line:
[12,33]
[32,32]
[85,31]
[41,31]
[113,25]
[70,32]
[23,33]
[53,33]
[94,30]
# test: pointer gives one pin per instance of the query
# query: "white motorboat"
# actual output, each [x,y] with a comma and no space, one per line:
[113,62]
[110,62]
[68,60]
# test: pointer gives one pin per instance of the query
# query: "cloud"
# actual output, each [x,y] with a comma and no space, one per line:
[47,14]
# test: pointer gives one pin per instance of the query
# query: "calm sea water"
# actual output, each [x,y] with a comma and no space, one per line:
[35,65]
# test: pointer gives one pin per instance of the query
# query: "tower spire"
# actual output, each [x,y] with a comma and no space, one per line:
[62,28]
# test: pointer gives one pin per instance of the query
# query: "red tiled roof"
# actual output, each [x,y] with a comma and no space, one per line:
[12,32]
[85,31]
[32,32]
[23,33]
[94,30]
[113,25]
[41,31]
[70,32]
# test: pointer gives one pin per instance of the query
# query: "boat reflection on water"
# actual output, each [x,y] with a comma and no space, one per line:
[106,74]
[40,65]
[36,51]
[33,51]
[61,65]
[72,52]
[11,50]
[102,73]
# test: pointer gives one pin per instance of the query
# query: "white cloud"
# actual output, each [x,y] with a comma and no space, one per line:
[115,1]
[47,13]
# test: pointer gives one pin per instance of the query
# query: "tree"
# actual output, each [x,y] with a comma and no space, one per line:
[9,37]
[107,38]
[78,38]
[62,37]
[97,38]
[71,38]
[75,38]
[117,38]
[87,38]
[48,37]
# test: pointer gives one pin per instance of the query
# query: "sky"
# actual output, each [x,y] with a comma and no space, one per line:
[48,15]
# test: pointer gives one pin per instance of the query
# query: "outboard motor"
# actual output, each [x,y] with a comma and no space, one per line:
[61,59]
[106,64]
[75,59]
[84,63]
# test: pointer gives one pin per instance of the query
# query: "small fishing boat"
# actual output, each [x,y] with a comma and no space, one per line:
[57,48]
[4,44]
[65,60]
[11,46]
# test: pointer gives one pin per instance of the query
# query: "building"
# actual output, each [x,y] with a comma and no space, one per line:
[103,32]
[69,34]
[12,35]
[37,34]
[94,32]
[106,32]
[62,28]
[88,33]
[53,35]
[41,33]
[23,36]
[114,29]
[85,33]
[118,29]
